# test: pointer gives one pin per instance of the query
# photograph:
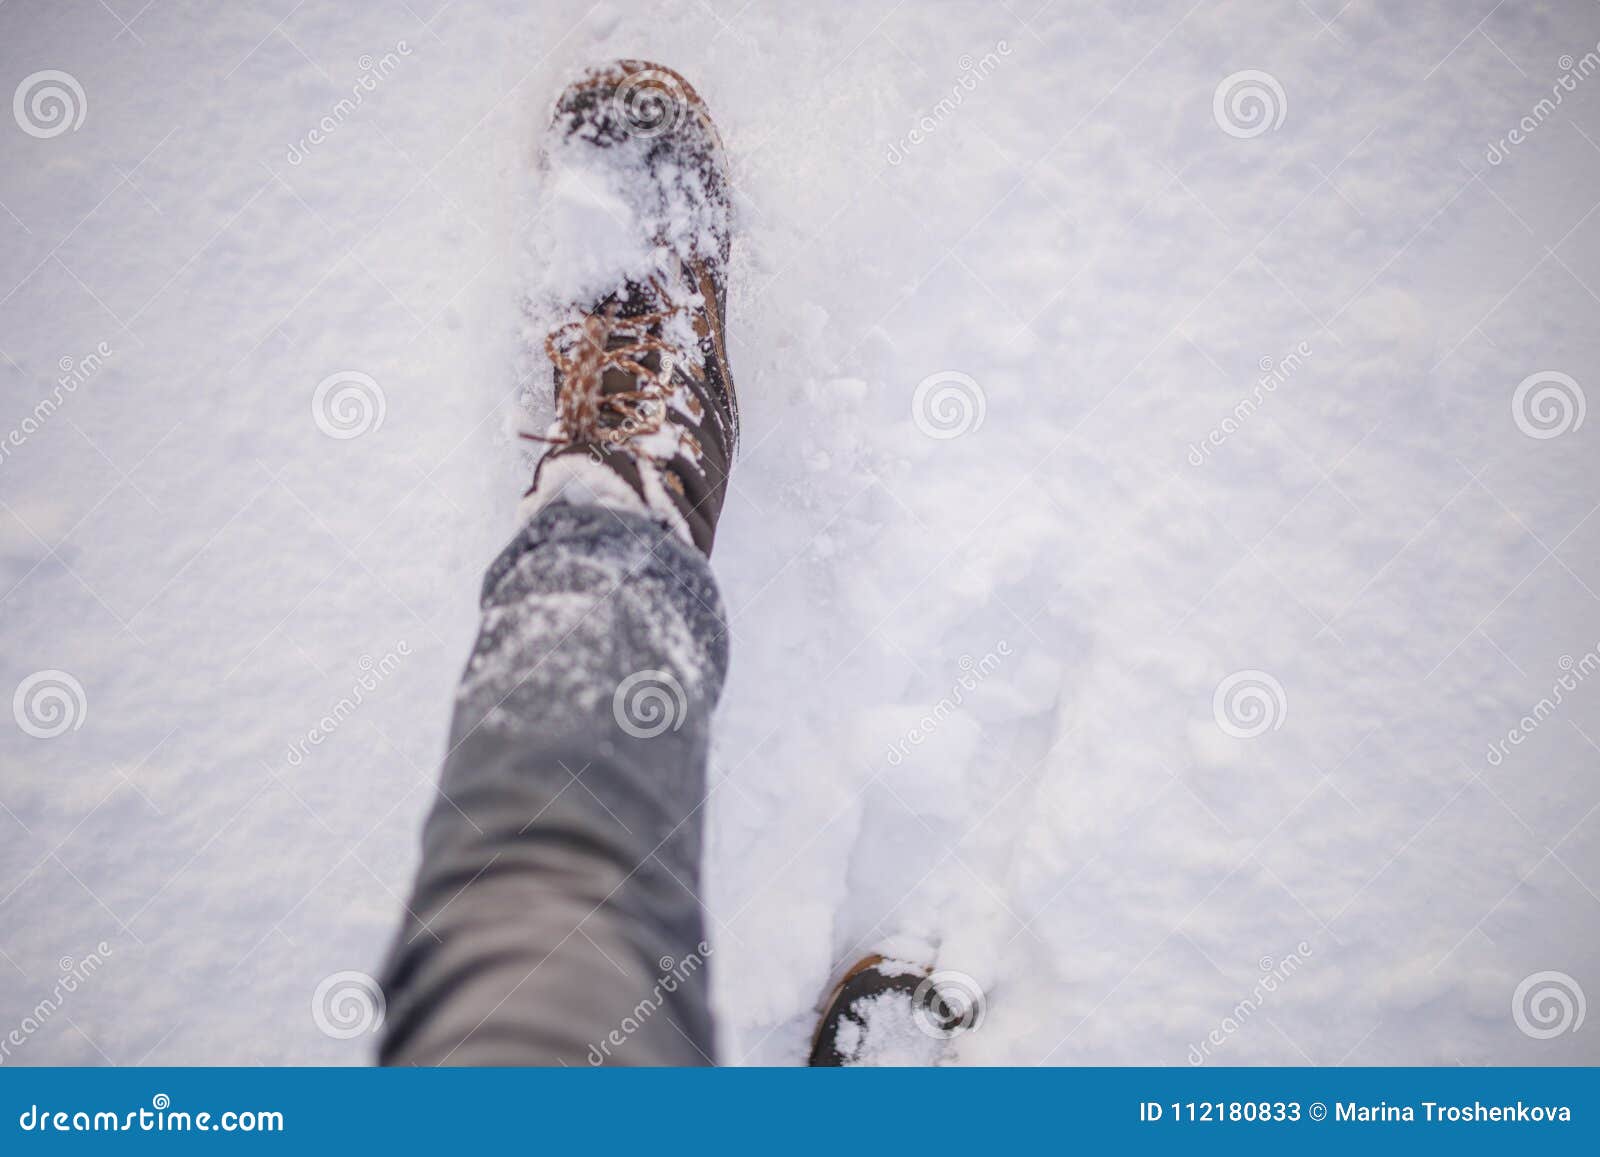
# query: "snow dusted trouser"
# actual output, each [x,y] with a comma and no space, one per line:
[554,918]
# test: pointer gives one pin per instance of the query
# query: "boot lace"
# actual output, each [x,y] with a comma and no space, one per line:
[582,351]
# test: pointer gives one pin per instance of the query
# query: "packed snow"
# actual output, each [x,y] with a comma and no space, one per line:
[1162,560]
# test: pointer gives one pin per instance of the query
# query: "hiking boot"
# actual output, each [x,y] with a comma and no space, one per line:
[645,408]
[894,1012]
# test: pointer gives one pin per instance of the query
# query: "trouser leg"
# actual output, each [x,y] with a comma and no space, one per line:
[555,916]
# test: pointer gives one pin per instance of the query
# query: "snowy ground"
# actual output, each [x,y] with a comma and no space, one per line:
[1406,572]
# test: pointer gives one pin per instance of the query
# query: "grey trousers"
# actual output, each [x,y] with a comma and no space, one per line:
[555,917]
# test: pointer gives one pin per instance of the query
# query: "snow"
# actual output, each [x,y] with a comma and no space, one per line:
[888,1034]
[1035,204]
[591,229]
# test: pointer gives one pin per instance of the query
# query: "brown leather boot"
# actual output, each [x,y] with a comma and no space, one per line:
[645,403]
[886,1011]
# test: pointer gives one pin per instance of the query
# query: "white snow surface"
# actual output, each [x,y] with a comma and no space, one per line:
[974,699]
[889,1035]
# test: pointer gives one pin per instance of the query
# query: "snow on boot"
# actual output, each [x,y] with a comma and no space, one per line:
[893,1012]
[637,209]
